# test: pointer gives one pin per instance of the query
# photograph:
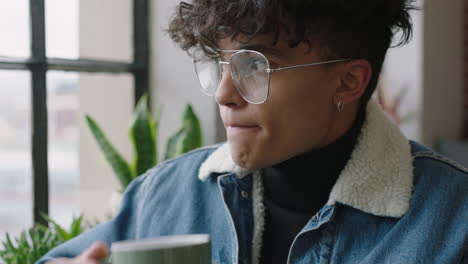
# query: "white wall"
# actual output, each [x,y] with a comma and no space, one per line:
[443,70]
[431,67]
[402,73]
[174,81]
[107,98]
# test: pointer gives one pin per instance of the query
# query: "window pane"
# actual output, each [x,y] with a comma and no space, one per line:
[62,102]
[14,25]
[15,152]
[105,29]
[87,29]
[62,28]
[79,173]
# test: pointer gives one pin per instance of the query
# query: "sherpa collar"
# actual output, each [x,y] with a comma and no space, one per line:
[378,178]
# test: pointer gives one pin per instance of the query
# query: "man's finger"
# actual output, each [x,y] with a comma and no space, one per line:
[97,251]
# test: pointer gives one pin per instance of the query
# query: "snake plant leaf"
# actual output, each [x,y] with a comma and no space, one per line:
[187,138]
[193,139]
[120,166]
[174,144]
[143,136]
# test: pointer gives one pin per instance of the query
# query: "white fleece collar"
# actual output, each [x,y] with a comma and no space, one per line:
[378,178]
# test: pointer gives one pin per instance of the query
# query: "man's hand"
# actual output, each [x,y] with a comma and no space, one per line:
[92,255]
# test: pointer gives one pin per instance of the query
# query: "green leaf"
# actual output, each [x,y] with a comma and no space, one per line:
[143,136]
[35,242]
[10,245]
[187,138]
[193,139]
[63,235]
[174,144]
[76,226]
[118,163]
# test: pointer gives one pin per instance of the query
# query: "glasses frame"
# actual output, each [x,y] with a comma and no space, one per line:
[269,70]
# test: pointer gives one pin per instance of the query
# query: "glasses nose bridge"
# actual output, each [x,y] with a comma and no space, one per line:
[223,65]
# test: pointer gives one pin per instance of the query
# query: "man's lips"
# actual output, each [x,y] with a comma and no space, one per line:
[242,126]
[236,129]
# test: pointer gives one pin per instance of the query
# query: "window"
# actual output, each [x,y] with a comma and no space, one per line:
[44,63]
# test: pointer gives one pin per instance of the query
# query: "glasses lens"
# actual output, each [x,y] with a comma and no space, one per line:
[208,72]
[249,72]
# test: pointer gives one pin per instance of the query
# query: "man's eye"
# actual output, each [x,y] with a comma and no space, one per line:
[258,64]
[274,63]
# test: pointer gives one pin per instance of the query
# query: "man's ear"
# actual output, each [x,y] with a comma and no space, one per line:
[355,77]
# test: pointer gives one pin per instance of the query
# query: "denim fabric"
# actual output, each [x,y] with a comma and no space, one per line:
[170,200]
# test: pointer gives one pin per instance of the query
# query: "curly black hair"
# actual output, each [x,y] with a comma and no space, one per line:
[361,29]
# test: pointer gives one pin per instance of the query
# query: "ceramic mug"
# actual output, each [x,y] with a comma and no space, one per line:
[186,249]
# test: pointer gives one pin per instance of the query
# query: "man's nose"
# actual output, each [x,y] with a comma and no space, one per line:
[227,94]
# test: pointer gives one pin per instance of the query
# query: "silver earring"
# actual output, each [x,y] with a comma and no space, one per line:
[340,106]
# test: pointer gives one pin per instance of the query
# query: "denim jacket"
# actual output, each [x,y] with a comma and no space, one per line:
[394,202]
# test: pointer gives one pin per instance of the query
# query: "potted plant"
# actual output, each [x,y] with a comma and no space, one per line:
[35,242]
[143,135]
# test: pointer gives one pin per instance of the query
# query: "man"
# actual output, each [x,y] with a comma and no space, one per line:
[313,171]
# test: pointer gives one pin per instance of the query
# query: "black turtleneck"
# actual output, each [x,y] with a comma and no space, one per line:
[297,188]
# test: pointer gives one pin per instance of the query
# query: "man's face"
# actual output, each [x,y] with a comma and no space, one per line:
[298,115]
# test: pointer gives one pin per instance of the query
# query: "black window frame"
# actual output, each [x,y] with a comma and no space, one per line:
[38,64]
